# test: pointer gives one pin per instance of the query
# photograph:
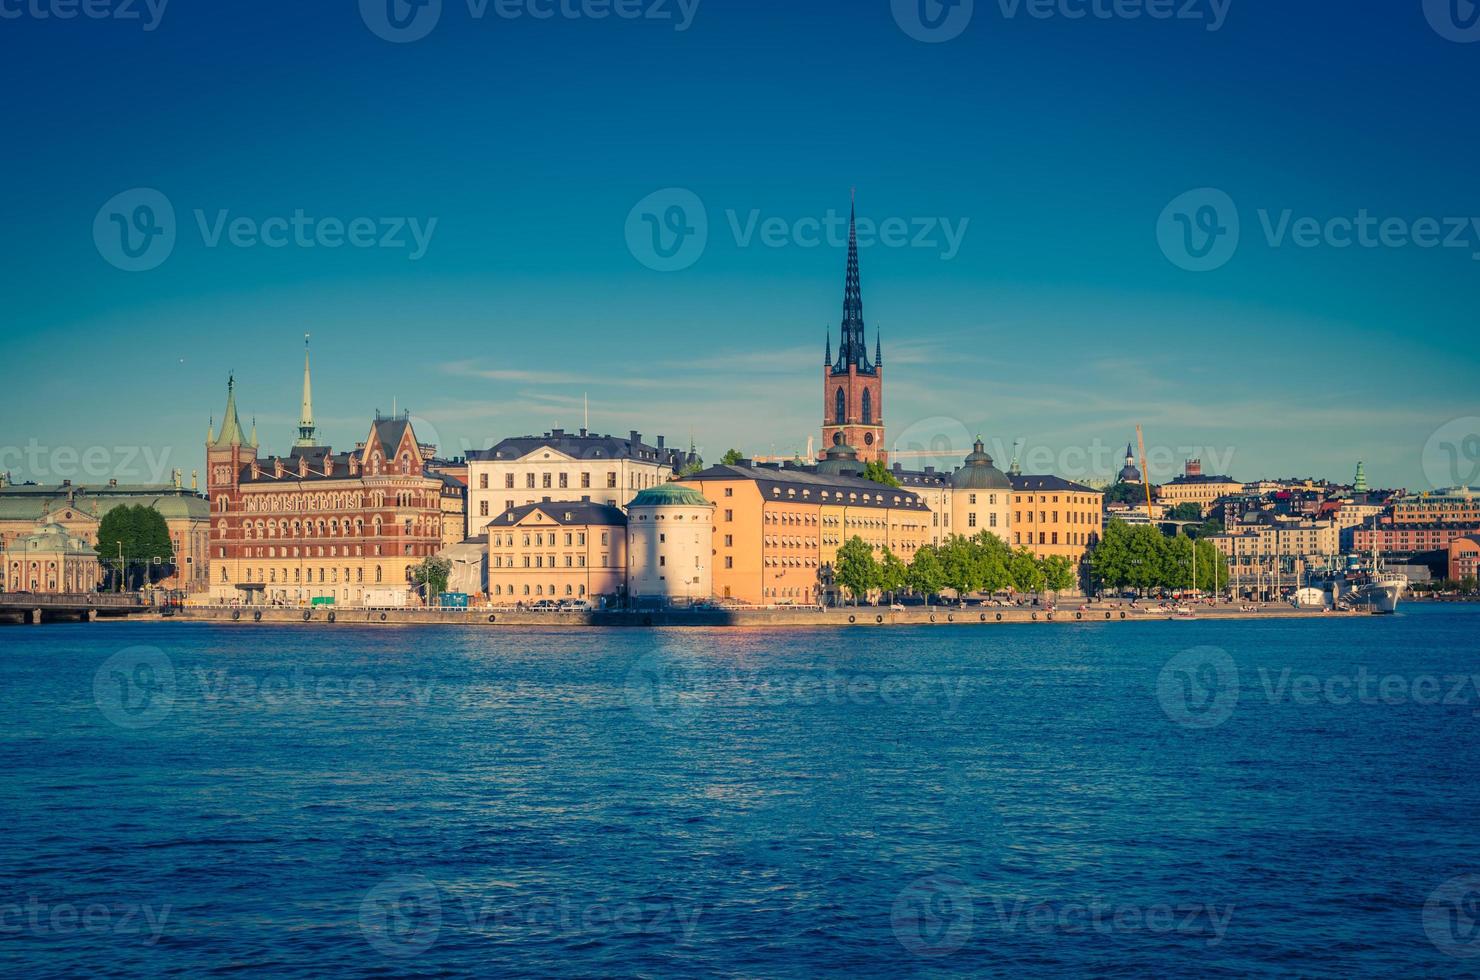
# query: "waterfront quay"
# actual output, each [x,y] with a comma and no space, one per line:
[742,617]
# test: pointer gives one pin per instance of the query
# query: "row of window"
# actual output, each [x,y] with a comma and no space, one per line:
[301,576]
[578,591]
[540,561]
[572,538]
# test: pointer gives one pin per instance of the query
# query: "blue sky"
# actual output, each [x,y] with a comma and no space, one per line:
[1054,148]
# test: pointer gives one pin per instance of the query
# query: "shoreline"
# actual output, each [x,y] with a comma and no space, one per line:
[861,616]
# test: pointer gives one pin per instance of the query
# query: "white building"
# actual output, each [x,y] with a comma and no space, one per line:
[564,466]
[670,545]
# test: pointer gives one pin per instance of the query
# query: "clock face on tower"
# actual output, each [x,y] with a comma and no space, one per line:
[868,438]
[837,438]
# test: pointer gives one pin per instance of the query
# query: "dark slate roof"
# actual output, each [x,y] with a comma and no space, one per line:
[782,479]
[1049,483]
[1201,478]
[267,468]
[571,513]
[390,432]
[581,446]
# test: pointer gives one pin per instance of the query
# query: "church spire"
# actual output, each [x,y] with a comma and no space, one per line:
[306,431]
[854,348]
[878,348]
[231,426]
[827,354]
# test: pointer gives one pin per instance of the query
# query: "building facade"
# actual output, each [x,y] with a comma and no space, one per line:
[319,525]
[1464,558]
[777,528]
[560,550]
[49,559]
[80,509]
[670,545]
[1054,516]
[563,465]
[1196,487]
[852,385]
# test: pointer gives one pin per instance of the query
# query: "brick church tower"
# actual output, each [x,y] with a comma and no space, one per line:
[852,387]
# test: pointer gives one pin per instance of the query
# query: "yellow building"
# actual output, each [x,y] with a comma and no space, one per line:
[1196,487]
[1053,516]
[777,528]
[557,550]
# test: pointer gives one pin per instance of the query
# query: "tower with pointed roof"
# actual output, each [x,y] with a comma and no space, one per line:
[228,452]
[1360,485]
[852,385]
[307,432]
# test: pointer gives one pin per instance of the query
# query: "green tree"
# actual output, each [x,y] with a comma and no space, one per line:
[857,570]
[690,468]
[894,574]
[431,576]
[927,574]
[1059,574]
[963,563]
[732,457]
[1185,512]
[1468,583]
[876,471]
[135,542]
[1027,572]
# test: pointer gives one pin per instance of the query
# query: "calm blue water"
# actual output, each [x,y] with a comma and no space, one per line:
[1218,799]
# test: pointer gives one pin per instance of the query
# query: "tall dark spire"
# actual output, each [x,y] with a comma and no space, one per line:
[827,355]
[878,348]
[854,348]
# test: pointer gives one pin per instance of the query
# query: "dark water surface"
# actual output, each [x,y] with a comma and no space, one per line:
[1215,799]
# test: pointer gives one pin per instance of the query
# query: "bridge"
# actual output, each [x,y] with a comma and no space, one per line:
[38,607]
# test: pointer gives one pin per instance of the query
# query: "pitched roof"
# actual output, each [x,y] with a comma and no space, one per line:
[1024,482]
[774,481]
[580,446]
[568,513]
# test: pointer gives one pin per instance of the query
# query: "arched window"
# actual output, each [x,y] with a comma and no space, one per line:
[840,408]
[868,407]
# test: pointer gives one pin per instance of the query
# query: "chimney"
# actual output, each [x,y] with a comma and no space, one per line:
[557,433]
[660,441]
[635,436]
[1194,467]
[583,433]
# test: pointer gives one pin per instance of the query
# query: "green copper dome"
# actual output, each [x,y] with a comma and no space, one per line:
[670,495]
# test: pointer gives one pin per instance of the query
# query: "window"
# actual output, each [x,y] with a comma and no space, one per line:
[971,499]
[729,563]
[564,480]
[840,408]
[544,481]
[482,508]
[508,481]
[585,480]
[483,481]
[529,481]
[729,541]
[868,407]
[971,519]
[729,515]
[729,491]
[611,481]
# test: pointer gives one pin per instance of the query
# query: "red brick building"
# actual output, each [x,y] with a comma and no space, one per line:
[852,385]
[1464,557]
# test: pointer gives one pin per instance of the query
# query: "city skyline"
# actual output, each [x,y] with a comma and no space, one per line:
[1030,295]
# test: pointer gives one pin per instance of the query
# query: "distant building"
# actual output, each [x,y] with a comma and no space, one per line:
[1054,516]
[557,550]
[81,508]
[564,465]
[1464,557]
[317,524]
[777,529]
[49,559]
[670,545]
[852,385]
[1129,473]
[1196,487]
[1459,505]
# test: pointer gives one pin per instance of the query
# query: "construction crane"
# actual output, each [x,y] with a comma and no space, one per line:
[1145,471]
